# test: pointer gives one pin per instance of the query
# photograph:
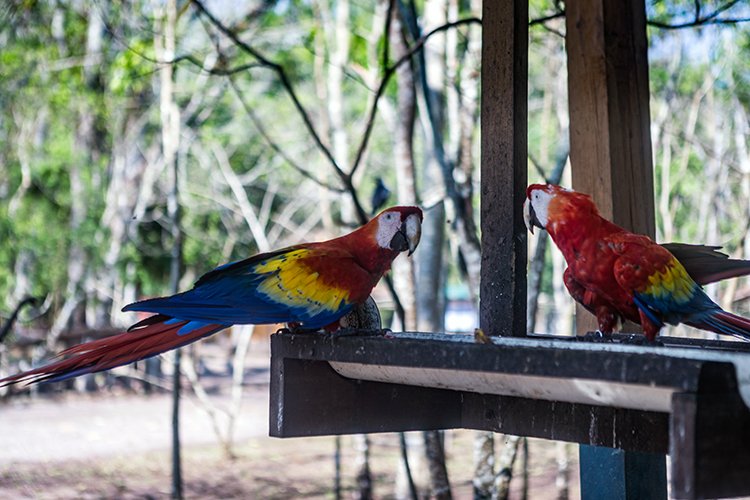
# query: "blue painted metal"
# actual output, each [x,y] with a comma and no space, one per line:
[612,474]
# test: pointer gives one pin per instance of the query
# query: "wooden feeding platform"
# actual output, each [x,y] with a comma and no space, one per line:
[690,399]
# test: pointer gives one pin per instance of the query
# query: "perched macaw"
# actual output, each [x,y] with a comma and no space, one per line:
[617,275]
[311,285]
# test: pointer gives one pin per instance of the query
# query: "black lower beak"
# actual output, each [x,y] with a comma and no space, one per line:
[399,242]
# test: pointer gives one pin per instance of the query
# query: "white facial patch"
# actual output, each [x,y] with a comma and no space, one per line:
[388,225]
[540,203]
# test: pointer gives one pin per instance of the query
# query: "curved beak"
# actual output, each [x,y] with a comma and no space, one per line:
[408,235]
[529,217]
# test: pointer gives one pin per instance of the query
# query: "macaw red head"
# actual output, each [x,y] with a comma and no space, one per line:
[398,228]
[549,201]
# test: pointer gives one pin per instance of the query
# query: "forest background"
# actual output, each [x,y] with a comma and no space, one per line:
[140,141]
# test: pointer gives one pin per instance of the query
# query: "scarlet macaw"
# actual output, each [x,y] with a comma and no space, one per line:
[311,285]
[616,274]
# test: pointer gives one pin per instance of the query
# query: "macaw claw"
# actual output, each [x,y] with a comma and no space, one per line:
[639,339]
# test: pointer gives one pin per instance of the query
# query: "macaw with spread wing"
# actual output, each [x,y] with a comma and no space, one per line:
[618,275]
[312,285]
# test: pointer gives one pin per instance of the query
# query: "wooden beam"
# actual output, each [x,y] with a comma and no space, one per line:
[707,427]
[610,139]
[610,154]
[504,172]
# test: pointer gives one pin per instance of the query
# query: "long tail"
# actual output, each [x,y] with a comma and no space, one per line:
[724,322]
[150,337]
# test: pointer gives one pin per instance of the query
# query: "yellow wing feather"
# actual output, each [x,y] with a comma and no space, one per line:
[290,281]
[673,280]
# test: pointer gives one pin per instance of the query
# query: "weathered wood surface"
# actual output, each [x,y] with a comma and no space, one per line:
[707,427]
[504,173]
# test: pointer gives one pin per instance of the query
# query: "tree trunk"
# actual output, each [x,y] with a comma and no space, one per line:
[505,466]
[363,476]
[403,161]
[562,478]
[484,465]
[164,44]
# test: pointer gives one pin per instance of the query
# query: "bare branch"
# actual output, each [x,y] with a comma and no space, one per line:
[712,18]
[701,22]
[387,33]
[264,133]
[697,4]
[698,20]
[285,82]
[391,70]
[544,19]
[218,69]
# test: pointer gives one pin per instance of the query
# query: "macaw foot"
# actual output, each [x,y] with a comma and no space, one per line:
[358,332]
[596,336]
[640,339]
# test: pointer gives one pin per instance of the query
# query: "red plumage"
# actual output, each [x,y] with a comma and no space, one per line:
[618,275]
[117,350]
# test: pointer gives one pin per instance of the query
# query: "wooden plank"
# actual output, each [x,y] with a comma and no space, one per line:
[707,429]
[504,173]
[309,399]
[578,423]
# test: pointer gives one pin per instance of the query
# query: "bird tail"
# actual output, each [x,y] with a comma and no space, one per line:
[725,323]
[147,338]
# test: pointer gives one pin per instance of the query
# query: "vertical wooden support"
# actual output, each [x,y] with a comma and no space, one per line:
[622,475]
[610,138]
[610,153]
[504,158]
[706,431]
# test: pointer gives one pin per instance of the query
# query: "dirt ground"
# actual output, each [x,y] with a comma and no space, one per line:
[118,446]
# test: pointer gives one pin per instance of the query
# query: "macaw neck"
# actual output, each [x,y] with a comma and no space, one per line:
[572,231]
[375,259]
[363,246]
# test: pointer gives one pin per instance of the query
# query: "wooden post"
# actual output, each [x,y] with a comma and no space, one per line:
[610,140]
[619,475]
[502,292]
[610,153]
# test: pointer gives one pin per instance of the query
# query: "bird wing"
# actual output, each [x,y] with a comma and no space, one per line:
[312,285]
[706,264]
[661,287]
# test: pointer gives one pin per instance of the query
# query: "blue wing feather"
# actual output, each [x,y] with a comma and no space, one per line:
[233,294]
[666,308]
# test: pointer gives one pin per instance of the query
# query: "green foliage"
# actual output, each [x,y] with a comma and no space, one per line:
[47,90]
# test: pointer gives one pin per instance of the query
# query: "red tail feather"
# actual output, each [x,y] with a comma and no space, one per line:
[726,323]
[113,351]
[740,326]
